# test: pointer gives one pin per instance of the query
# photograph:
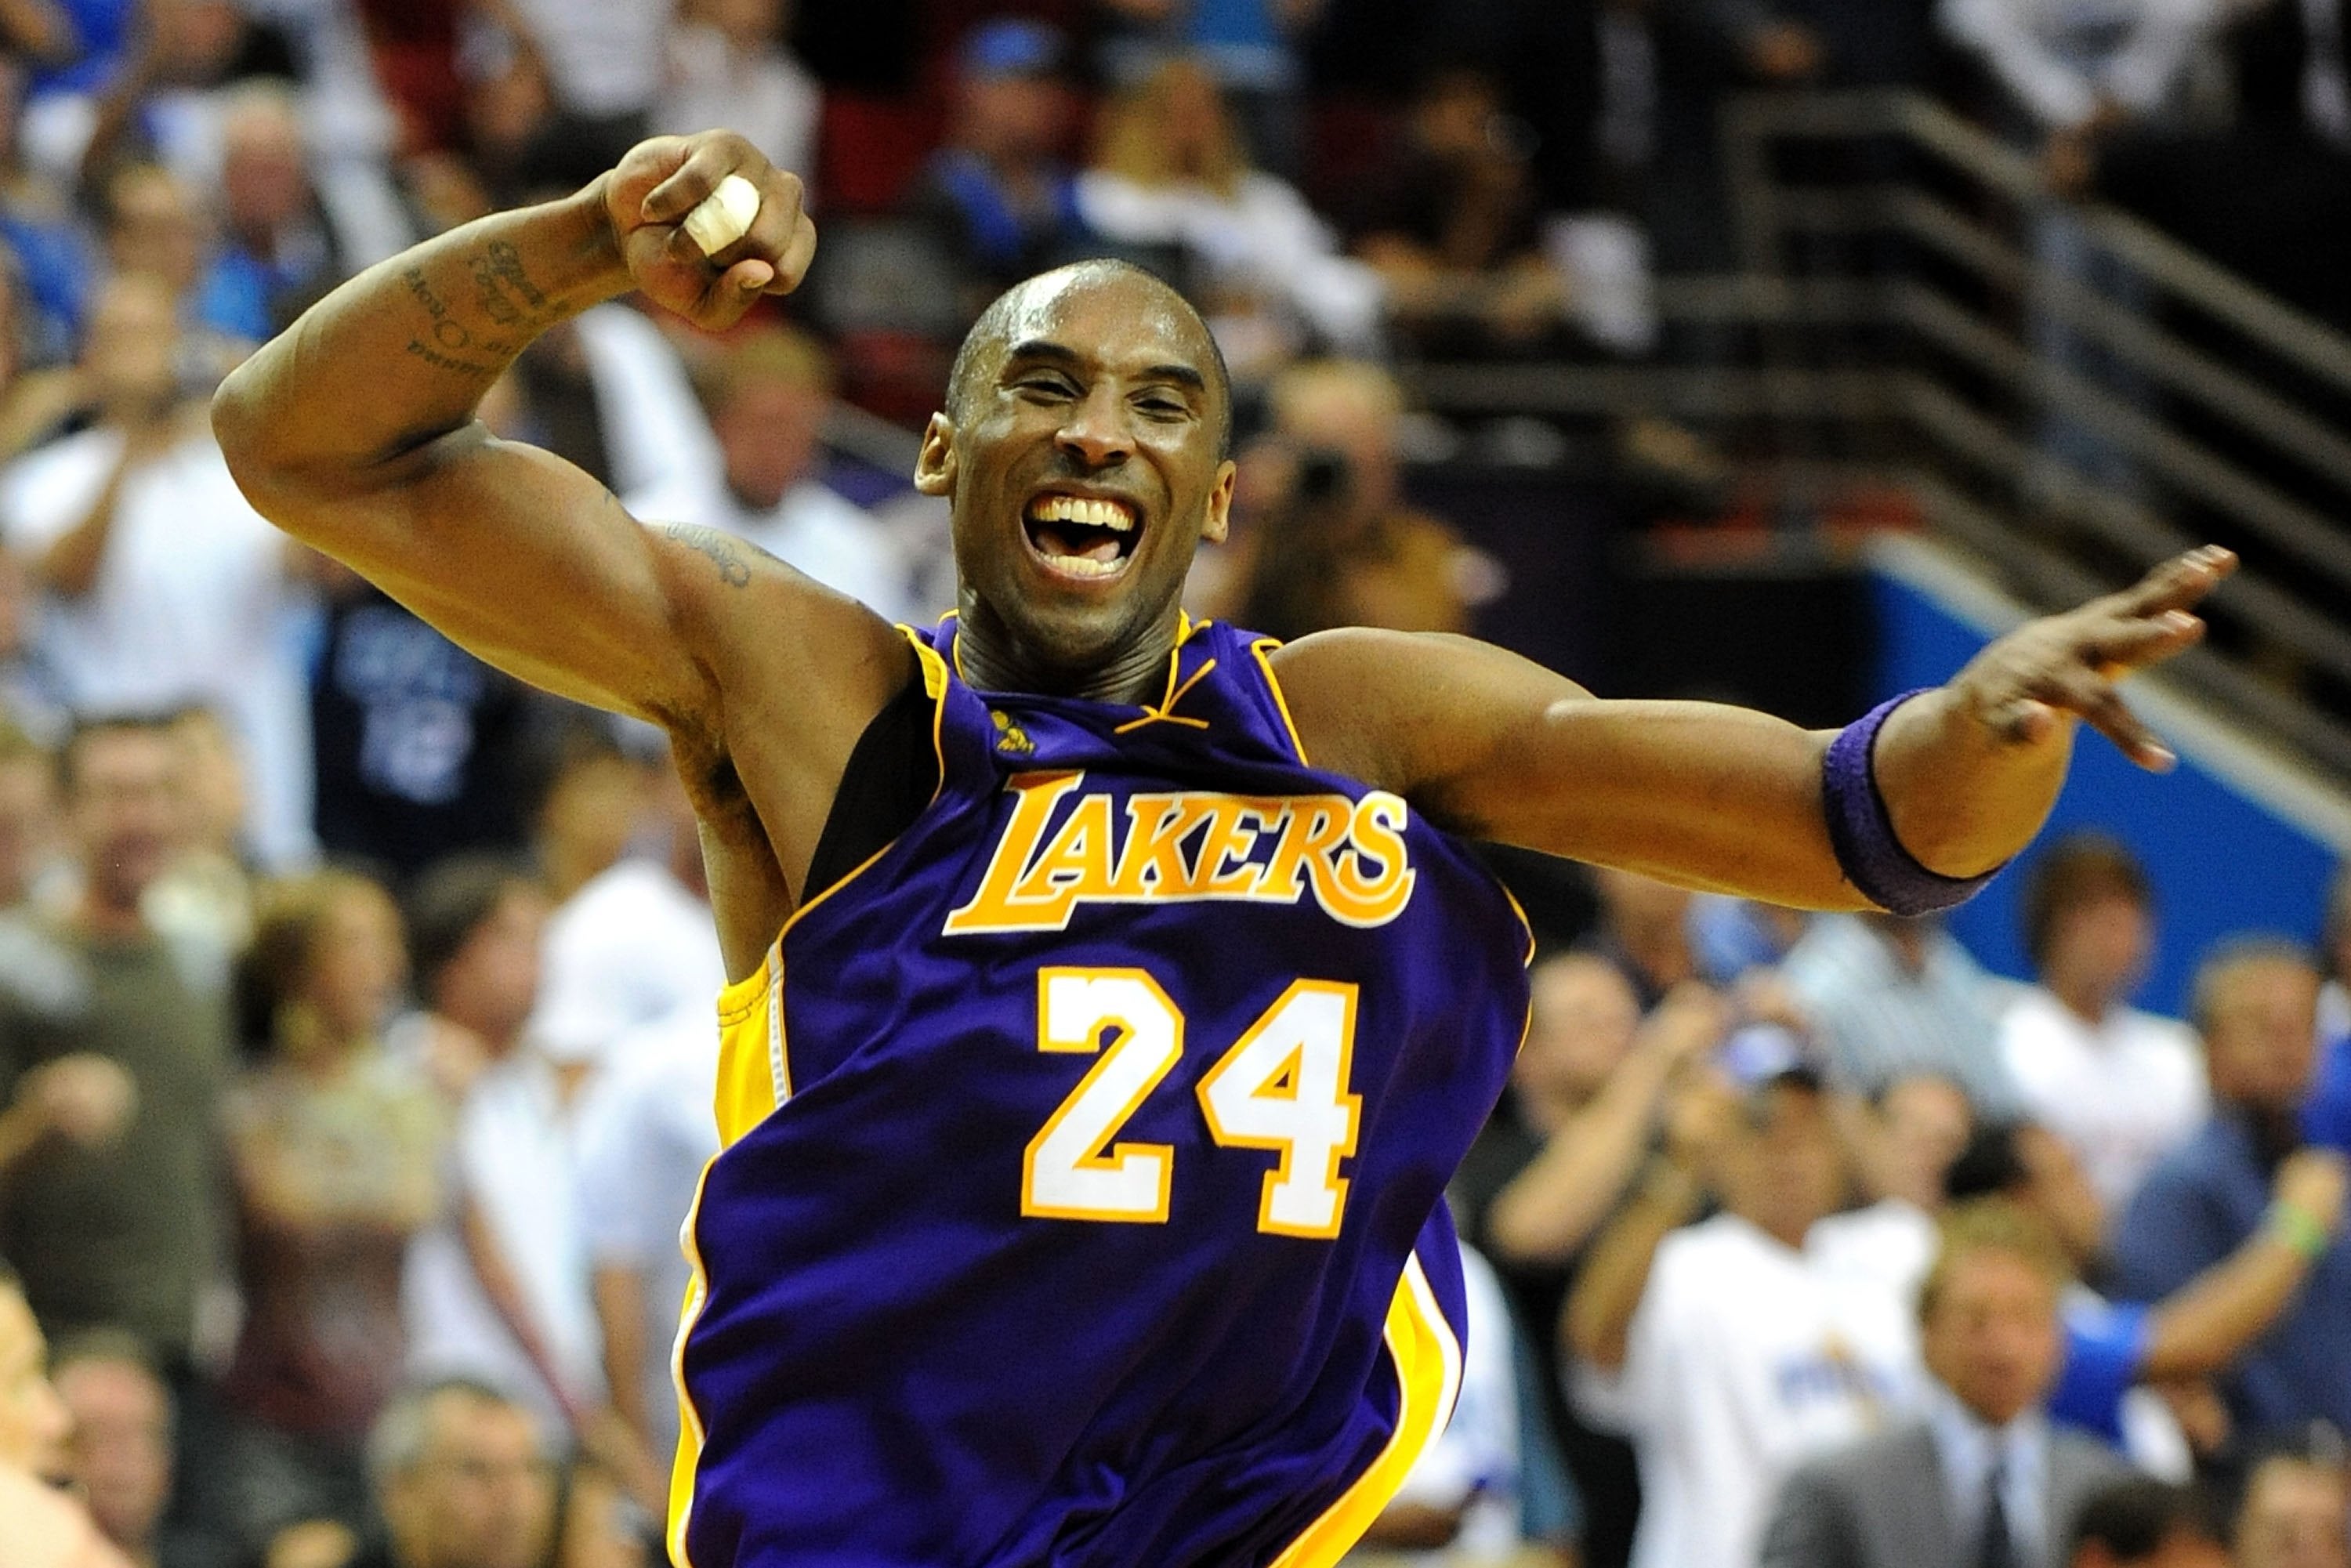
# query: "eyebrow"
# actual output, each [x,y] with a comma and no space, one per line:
[1034,349]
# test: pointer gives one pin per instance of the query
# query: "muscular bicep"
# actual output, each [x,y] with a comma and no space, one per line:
[527,561]
[1491,745]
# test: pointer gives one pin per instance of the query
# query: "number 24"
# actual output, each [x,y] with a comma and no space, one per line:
[1283,1086]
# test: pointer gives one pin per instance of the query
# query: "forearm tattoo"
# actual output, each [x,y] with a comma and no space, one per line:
[476,336]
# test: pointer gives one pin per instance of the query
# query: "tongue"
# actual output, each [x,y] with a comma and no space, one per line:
[1052,541]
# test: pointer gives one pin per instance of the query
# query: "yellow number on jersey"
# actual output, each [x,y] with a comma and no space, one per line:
[1066,1174]
[1283,1086]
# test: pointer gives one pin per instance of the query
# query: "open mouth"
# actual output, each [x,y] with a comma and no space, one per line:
[1082,536]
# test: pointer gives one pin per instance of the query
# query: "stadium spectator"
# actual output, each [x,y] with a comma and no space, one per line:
[1890,997]
[164,586]
[123,1453]
[2254,1003]
[604,61]
[1171,183]
[1249,47]
[36,398]
[39,233]
[997,199]
[1725,1351]
[2121,1086]
[28,819]
[207,893]
[497,1287]
[728,66]
[337,1154]
[1588,1096]
[1463,1504]
[613,395]
[463,1479]
[635,945]
[421,750]
[1336,543]
[768,391]
[39,1526]
[2145,1523]
[118,1054]
[2296,1510]
[589,797]
[151,228]
[645,1134]
[1454,223]
[1644,931]
[1983,1478]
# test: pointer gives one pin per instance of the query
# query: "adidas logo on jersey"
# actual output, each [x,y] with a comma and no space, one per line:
[1350,854]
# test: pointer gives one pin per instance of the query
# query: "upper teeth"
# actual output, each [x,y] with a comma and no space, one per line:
[1109,514]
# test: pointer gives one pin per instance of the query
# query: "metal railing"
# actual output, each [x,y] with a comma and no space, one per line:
[1896,322]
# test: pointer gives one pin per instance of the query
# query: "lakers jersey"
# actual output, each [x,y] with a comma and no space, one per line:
[1080,1200]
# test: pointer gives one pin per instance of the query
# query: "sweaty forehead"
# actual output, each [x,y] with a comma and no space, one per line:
[1112,316]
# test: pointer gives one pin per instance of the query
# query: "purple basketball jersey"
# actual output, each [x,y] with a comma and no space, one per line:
[1082,1196]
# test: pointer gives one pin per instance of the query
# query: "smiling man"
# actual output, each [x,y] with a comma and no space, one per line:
[1113,993]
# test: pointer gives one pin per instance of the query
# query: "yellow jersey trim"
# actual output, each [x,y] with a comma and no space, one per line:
[1427,1359]
[755,1080]
[1260,650]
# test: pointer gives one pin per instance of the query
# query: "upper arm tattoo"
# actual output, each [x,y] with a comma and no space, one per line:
[730,555]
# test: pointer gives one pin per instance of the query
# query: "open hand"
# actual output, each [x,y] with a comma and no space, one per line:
[2028,683]
[660,180]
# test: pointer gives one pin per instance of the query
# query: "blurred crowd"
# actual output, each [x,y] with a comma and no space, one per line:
[355,1048]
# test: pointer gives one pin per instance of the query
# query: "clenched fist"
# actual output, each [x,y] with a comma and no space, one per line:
[647,197]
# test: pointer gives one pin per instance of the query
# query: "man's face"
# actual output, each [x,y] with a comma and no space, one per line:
[767,431]
[121,1447]
[1994,1338]
[33,1420]
[1020,116]
[2260,1032]
[129,353]
[491,983]
[2106,942]
[2297,1515]
[482,1495]
[1583,1024]
[1782,1171]
[1086,470]
[263,182]
[126,807]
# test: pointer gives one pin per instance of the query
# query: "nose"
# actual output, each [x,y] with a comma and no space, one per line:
[1097,432]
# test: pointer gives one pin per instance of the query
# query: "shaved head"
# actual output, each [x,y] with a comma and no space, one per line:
[993,333]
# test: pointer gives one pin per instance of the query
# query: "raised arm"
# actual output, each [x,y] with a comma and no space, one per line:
[1721,798]
[355,431]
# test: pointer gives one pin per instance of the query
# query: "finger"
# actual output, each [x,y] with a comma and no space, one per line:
[2102,707]
[774,226]
[2135,644]
[2178,583]
[733,292]
[712,160]
[793,264]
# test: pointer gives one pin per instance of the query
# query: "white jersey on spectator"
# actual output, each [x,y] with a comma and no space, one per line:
[605,55]
[632,946]
[1744,1359]
[769,98]
[512,1158]
[645,1133]
[1475,1465]
[656,437]
[2121,1094]
[192,605]
[1880,1022]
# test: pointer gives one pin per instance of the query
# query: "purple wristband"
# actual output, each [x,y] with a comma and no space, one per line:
[1862,833]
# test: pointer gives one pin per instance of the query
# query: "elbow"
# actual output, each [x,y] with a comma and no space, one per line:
[243,422]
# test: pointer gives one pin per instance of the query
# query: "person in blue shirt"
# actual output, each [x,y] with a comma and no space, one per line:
[2255,1002]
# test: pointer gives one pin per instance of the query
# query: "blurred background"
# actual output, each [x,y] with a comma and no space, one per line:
[355,1056]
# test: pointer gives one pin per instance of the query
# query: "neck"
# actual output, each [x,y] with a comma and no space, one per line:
[2087,1002]
[997,659]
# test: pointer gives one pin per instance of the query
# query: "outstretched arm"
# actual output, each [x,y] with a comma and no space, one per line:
[1725,798]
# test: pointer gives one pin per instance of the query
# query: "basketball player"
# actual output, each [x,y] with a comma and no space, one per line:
[1134,997]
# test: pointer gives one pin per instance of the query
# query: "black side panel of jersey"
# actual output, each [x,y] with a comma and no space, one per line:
[891,776]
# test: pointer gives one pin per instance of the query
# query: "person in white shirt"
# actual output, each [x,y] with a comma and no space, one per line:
[2335,955]
[646,1130]
[1724,1351]
[163,586]
[2121,1087]
[634,945]
[729,67]
[768,391]
[497,1288]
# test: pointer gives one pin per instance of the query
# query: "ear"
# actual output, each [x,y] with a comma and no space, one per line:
[1216,522]
[935,465]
